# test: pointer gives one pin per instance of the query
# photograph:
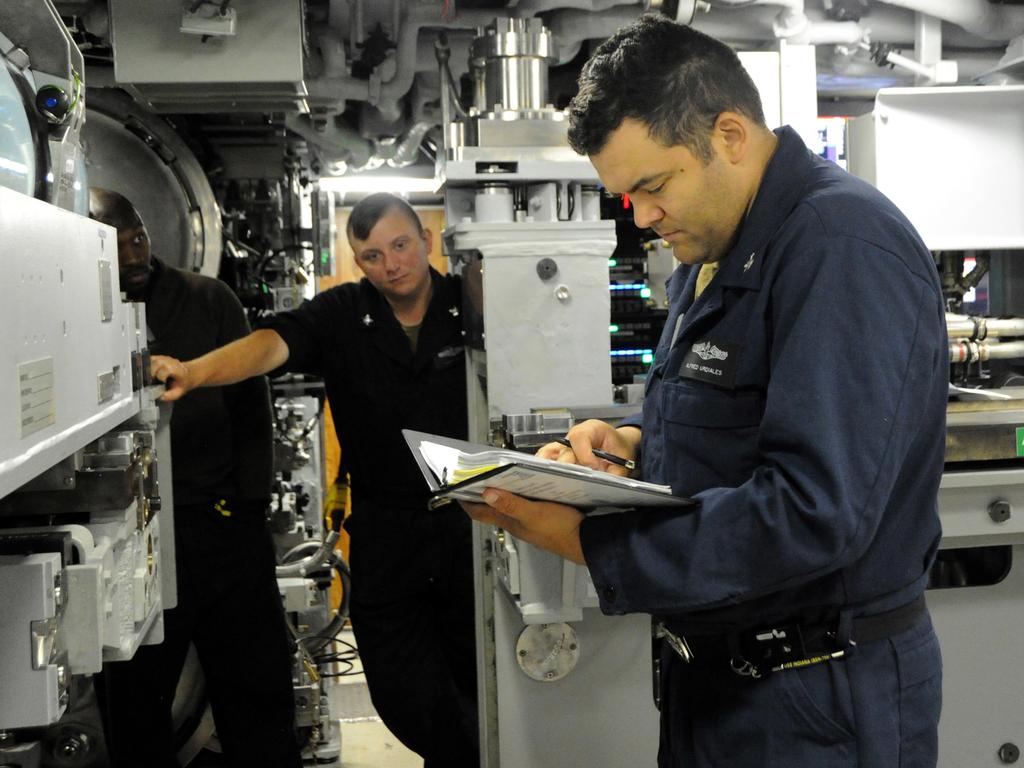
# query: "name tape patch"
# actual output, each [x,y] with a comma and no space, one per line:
[711,361]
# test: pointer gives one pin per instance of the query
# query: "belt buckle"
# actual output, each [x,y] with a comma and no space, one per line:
[678,644]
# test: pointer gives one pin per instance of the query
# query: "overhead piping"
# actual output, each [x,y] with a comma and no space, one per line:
[980,17]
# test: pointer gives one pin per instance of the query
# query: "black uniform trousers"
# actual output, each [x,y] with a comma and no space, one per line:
[229,607]
[876,708]
[412,616]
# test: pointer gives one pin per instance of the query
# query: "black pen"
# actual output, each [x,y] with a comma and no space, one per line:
[609,457]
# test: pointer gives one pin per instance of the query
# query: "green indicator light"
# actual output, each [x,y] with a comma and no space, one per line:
[613,263]
[613,329]
[648,358]
[265,288]
[1020,441]
[645,293]
[325,256]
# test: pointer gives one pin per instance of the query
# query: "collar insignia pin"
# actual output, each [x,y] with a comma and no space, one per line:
[453,311]
[750,262]
[367,321]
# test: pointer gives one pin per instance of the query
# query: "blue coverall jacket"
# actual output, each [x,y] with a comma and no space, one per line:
[801,399]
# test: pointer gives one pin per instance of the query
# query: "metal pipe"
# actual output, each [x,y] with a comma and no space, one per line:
[572,27]
[980,328]
[417,17]
[334,137]
[408,148]
[988,20]
[298,549]
[534,7]
[313,562]
[973,351]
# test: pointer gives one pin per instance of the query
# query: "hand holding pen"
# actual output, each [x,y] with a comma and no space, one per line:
[611,458]
[622,443]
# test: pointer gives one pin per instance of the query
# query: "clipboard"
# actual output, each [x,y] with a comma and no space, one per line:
[533,478]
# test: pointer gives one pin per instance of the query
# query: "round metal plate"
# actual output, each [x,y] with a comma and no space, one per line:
[547,652]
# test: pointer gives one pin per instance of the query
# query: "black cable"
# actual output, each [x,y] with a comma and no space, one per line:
[347,673]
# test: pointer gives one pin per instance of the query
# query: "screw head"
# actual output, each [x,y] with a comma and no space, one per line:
[1000,511]
[1009,753]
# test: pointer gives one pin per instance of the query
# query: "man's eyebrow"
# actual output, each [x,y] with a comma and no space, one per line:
[645,181]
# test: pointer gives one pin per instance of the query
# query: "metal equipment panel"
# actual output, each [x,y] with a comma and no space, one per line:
[150,48]
[979,629]
[29,590]
[558,722]
[65,371]
[958,178]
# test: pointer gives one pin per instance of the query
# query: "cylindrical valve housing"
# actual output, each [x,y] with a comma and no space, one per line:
[510,59]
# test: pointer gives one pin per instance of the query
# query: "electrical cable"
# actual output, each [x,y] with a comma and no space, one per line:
[442,53]
[454,90]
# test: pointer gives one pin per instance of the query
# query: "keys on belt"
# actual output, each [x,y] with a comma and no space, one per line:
[754,654]
[676,642]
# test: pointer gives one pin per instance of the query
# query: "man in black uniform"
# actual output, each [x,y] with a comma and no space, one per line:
[390,351]
[229,606]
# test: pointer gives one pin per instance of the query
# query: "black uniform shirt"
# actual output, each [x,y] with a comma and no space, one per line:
[377,386]
[221,437]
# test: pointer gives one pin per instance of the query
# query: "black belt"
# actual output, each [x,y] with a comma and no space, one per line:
[790,645]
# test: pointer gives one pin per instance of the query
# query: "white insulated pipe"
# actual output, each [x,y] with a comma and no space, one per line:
[980,17]
[972,351]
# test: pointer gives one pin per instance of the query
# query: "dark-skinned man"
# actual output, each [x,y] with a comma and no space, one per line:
[229,606]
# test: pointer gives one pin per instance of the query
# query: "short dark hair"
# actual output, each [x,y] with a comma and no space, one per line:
[670,77]
[114,209]
[368,211]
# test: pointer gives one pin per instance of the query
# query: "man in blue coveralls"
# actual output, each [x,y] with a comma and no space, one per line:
[799,394]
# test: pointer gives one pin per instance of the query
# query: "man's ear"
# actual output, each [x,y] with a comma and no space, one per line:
[731,136]
[428,239]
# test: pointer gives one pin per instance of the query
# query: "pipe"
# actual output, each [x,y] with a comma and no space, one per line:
[980,17]
[408,149]
[848,71]
[886,24]
[534,7]
[313,562]
[753,25]
[334,137]
[417,17]
[791,21]
[829,32]
[973,351]
[317,642]
[572,27]
[298,549]
[979,328]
